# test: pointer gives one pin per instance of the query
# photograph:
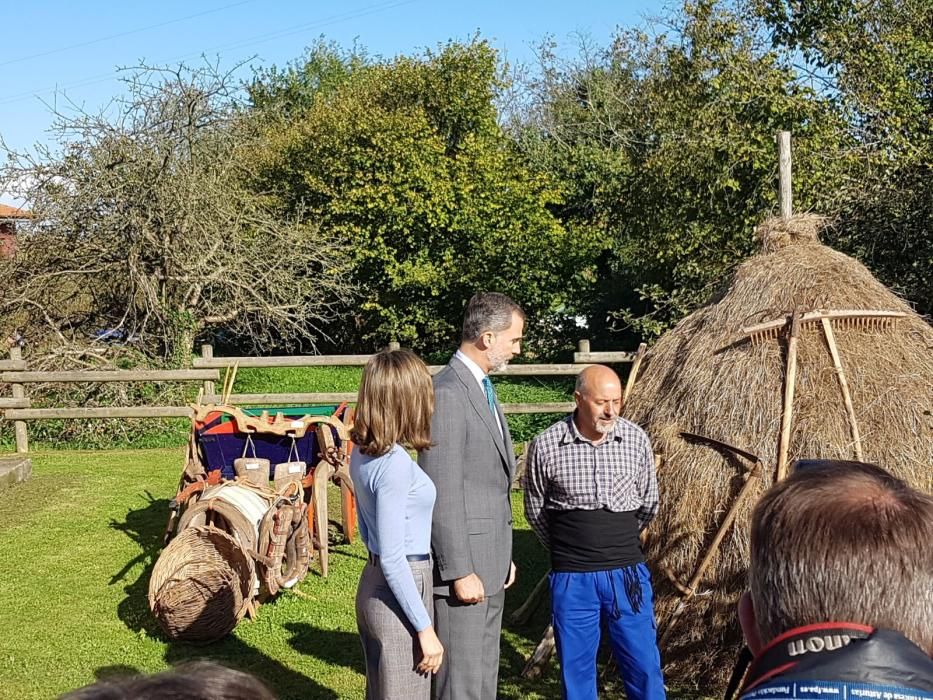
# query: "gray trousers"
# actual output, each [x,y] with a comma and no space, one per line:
[470,635]
[390,644]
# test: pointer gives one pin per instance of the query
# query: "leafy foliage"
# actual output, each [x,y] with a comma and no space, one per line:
[665,145]
[145,225]
[874,61]
[405,161]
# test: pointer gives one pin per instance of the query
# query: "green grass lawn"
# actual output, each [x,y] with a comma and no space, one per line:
[77,545]
[78,542]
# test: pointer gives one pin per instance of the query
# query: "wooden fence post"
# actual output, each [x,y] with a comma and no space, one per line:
[207,352]
[19,392]
[395,345]
[583,346]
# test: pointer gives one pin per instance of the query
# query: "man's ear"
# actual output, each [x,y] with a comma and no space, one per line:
[749,624]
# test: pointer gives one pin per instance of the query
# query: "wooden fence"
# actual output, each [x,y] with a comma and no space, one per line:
[206,369]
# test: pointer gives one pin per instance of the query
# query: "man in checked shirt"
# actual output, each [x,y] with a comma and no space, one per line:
[590,488]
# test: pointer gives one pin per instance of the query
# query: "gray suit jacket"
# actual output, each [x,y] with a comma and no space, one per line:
[472,466]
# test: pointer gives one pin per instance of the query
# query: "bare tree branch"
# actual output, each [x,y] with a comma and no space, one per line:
[145,223]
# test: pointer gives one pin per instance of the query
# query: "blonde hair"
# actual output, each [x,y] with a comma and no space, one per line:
[395,403]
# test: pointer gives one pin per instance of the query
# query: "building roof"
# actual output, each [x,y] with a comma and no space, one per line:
[8,212]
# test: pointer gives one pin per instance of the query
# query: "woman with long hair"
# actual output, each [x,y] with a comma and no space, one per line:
[395,500]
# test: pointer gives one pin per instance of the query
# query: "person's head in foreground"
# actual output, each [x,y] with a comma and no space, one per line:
[196,680]
[840,577]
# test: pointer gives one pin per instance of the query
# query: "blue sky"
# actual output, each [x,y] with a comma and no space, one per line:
[70,51]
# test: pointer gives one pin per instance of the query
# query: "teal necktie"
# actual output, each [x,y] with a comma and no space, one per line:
[490,394]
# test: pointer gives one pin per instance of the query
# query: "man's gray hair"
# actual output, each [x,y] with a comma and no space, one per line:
[842,541]
[580,385]
[488,311]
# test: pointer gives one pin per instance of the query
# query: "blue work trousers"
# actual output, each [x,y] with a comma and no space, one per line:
[625,600]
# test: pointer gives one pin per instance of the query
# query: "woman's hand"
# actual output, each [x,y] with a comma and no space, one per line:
[432,651]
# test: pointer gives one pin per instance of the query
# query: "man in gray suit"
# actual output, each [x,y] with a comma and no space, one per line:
[472,464]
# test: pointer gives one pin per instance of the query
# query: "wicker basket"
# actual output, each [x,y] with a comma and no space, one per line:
[201,585]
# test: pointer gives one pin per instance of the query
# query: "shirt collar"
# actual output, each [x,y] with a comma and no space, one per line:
[474,368]
[573,433]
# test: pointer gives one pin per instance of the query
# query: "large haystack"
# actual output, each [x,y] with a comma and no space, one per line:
[696,379]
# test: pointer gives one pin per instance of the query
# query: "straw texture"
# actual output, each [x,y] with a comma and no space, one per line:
[697,378]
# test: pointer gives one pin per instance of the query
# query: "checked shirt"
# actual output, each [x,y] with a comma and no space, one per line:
[565,471]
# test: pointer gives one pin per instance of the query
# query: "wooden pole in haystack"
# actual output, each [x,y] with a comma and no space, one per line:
[790,380]
[785,197]
[633,374]
[785,194]
[752,479]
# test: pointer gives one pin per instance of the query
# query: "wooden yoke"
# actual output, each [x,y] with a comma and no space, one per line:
[277,425]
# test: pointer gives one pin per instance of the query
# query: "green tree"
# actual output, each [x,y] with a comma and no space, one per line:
[147,226]
[405,160]
[874,61]
[665,145]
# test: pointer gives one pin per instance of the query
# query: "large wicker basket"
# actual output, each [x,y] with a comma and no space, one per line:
[201,585]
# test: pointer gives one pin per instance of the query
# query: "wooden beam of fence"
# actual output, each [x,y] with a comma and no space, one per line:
[14,403]
[101,412]
[122,375]
[26,414]
[359,360]
[283,361]
[536,370]
[12,365]
[604,357]
[564,407]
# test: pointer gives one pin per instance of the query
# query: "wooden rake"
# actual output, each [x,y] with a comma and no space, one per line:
[791,326]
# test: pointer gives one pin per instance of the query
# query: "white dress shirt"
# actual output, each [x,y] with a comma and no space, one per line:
[478,375]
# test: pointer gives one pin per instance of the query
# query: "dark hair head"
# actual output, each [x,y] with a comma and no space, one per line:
[842,541]
[196,680]
[395,403]
[488,311]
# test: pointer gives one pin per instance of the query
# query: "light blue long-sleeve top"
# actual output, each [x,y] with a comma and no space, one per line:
[395,500]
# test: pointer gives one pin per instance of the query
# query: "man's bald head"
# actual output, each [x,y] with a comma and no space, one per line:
[598,396]
[596,377]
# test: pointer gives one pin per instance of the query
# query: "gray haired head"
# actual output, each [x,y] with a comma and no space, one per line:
[488,311]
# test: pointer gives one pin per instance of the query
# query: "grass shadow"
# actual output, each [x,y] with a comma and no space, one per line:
[106,673]
[331,646]
[520,639]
